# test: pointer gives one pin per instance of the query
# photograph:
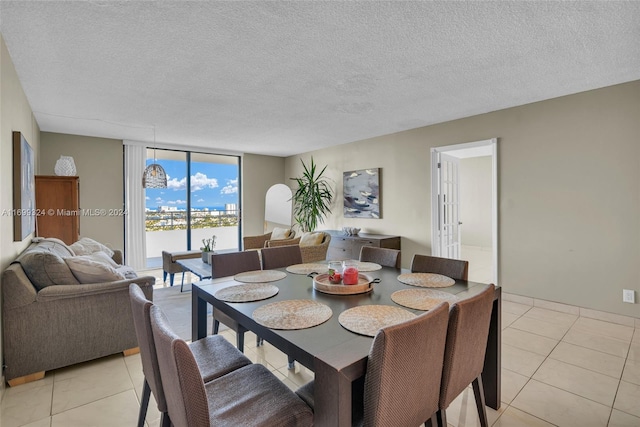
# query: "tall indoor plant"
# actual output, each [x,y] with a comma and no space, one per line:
[312,199]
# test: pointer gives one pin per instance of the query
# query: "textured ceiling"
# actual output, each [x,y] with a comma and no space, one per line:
[282,78]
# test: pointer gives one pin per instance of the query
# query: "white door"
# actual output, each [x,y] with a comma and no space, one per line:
[448,241]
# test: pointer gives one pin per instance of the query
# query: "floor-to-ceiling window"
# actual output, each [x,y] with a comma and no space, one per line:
[202,199]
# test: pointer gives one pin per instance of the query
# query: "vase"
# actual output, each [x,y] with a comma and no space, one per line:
[65,166]
[206,256]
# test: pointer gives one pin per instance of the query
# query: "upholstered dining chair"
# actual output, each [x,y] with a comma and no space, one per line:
[214,356]
[251,395]
[281,256]
[383,256]
[230,264]
[467,337]
[404,370]
[454,268]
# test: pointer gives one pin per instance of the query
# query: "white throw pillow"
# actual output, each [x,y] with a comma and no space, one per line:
[280,233]
[103,258]
[87,270]
[311,239]
[87,246]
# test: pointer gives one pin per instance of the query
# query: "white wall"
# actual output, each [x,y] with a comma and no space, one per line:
[475,201]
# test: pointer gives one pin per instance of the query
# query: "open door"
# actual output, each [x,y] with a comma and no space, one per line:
[447,242]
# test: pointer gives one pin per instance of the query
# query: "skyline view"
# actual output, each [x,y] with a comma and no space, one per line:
[212,185]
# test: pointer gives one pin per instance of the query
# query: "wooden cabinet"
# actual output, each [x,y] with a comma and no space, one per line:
[58,206]
[348,247]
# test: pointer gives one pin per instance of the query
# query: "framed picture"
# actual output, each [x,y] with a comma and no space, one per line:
[24,190]
[362,193]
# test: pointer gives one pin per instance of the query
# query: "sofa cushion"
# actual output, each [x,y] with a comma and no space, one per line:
[44,265]
[126,271]
[88,270]
[103,258]
[280,233]
[312,239]
[87,246]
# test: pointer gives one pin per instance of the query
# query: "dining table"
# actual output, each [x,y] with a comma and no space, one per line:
[337,356]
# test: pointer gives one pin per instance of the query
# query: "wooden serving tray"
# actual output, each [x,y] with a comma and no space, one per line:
[365,284]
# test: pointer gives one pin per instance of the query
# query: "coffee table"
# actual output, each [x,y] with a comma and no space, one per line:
[195,266]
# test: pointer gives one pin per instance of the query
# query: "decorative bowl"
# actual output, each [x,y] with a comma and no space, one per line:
[350,231]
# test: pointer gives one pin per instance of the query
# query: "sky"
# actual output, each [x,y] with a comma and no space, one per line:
[212,185]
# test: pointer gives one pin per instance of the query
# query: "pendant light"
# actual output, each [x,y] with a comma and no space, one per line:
[154,175]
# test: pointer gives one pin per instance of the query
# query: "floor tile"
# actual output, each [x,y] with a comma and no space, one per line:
[540,327]
[515,308]
[46,422]
[556,306]
[520,361]
[551,404]
[593,360]
[114,411]
[621,419]
[26,403]
[511,385]
[299,375]
[634,351]
[513,417]
[528,341]
[508,319]
[551,316]
[601,343]
[591,385]
[607,329]
[463,413]
[85,385]
[628,398]
[631,372]
[607,317]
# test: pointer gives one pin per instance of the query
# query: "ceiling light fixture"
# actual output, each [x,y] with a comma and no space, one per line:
[154,175]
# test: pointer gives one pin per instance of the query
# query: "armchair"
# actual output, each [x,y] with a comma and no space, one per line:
[263,240]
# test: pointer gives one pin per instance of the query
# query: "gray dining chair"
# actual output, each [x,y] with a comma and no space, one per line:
[404,372]
[454,268]
[464,354]
[214,356]
[383,256]
[280,256]
[227,265]
[248,396]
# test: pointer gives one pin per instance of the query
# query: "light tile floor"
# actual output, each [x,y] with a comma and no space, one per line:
[557,369]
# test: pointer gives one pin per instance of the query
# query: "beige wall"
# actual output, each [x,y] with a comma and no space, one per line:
[15,115]
[569,192]
[475,201]
[100,168]
[258,174]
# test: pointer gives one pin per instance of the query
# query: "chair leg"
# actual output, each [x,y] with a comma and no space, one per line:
[240,339]
[259,341]
[182,284]
[431,422]
[478,391]
[171,278]
[292,362]
[216,326]
[144,404]
[441,418]
[164,276]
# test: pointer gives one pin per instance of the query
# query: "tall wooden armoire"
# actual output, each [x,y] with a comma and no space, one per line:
[58,205]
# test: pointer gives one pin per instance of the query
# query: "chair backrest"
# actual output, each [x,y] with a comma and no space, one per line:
[454,268]
[466,343]
[141,307]
[402,383]
[281,256]
[316,252]
[183,385]
[383,256]
[223,265]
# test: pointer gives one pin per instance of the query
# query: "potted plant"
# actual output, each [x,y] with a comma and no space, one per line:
[312,198]
[208,245]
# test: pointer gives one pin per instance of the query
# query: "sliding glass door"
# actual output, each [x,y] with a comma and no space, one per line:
[202,199]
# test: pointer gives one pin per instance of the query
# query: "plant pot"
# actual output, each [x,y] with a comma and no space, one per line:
[206,257]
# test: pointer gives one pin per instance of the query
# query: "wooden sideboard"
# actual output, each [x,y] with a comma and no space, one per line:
[343,246]
[58,203]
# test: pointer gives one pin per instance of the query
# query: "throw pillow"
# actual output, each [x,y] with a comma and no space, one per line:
[280,233]
[311,239]
[103,258]
[126,271]
[87,246]
[87,270]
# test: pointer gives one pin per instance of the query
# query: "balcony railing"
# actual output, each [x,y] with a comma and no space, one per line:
[177,220]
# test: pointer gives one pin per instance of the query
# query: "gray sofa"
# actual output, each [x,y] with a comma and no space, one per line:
[51,320]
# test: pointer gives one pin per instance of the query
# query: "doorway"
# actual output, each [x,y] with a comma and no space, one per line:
[464,206]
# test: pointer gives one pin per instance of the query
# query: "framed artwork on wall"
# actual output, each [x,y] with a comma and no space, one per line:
[362,193]
[24,191]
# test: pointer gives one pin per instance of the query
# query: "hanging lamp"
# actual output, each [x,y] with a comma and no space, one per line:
[154,175]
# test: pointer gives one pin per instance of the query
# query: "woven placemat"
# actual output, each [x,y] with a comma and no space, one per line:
[292,314]
[258,276]
[364,266]
[426,280]
[369,319]
[247,292]
[421,299]
[315,267]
